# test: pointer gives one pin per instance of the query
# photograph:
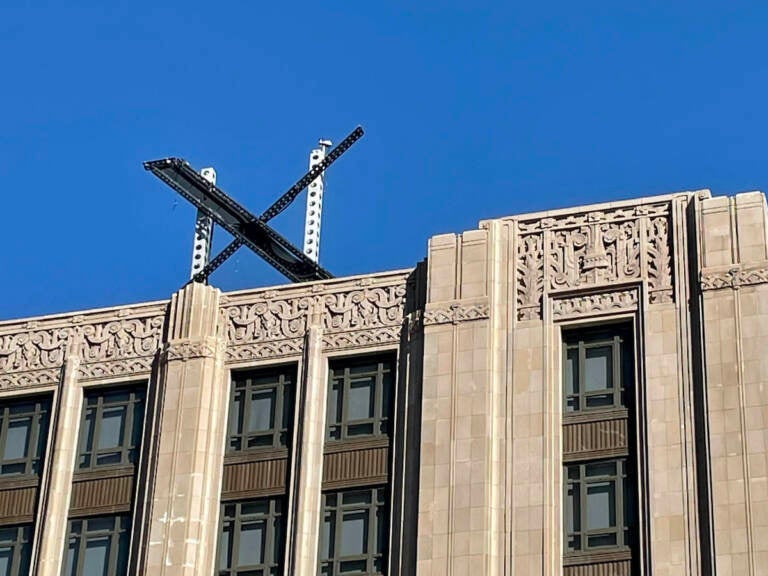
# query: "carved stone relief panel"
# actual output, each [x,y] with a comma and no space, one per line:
[591,249]
[353,313]
[114,342]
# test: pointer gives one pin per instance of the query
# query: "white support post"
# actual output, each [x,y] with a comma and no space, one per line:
[201,249]
[314,205]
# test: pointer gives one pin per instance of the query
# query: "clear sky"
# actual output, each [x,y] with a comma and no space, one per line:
[471,110]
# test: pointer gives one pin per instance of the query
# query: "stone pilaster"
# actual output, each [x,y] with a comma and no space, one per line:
[62,463]
[733,267]
[460,489]
[308,485]
[192,408]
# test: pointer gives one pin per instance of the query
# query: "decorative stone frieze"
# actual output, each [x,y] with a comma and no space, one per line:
[592,249]
[355,313]
[595,304]
[117,342]
[455,313]
[734,277]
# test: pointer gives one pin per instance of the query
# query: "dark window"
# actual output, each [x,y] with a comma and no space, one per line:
[97,546]
[23,433]
[111,427]
[261,408]
[599,507]
[597,369]
[15,550]
[353,532]
[359,393]
[252,538]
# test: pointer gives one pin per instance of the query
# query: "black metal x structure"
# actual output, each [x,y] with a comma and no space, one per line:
[244,226]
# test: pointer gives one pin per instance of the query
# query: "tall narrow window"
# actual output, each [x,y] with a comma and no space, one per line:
[599,511]
[359,396]
[23,434]
[597,369]
[15,550]
[261,408]
[97,546]
[353,532]
[111,427]
[252,538]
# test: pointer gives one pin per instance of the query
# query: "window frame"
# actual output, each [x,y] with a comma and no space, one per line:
[20,546]
[385,381]
[377,504]
[128,451]
[36,439]
[623,501]
[274,538]
[621,365]
[121,527]
[241,381]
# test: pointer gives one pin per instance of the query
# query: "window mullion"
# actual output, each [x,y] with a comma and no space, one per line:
[583,506]
[127,440]
[369,548]
[378,403]
[581,379]
[616,357]
[33,435]
[277,417]
[80,546]
[344,390]
[338,514]
[114,538]
[235,538]
[249,390]
[269,526]
[4,431]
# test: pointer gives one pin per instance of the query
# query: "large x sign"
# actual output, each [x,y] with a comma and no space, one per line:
[244,226]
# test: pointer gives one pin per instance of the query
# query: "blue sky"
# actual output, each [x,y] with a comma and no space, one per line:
[471,111]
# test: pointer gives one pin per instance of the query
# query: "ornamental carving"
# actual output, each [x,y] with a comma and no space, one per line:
[115,343]
[456,313]
[34,379]
[364,308]
[734,277]
[592,249]
[365,312]
[187,350]
[267,320]
[261,350]
[33,350]
[119,339]
[592,304]
[362,338]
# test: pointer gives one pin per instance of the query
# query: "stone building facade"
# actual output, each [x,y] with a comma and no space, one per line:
[580,392]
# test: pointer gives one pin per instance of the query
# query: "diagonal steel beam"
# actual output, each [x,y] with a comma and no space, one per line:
[236,220]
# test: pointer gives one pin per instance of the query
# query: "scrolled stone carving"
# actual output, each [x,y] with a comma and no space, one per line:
[267,320]
[592,304]
[120,339]
[456,313]
[274,326]
[363,308]
[33,350]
